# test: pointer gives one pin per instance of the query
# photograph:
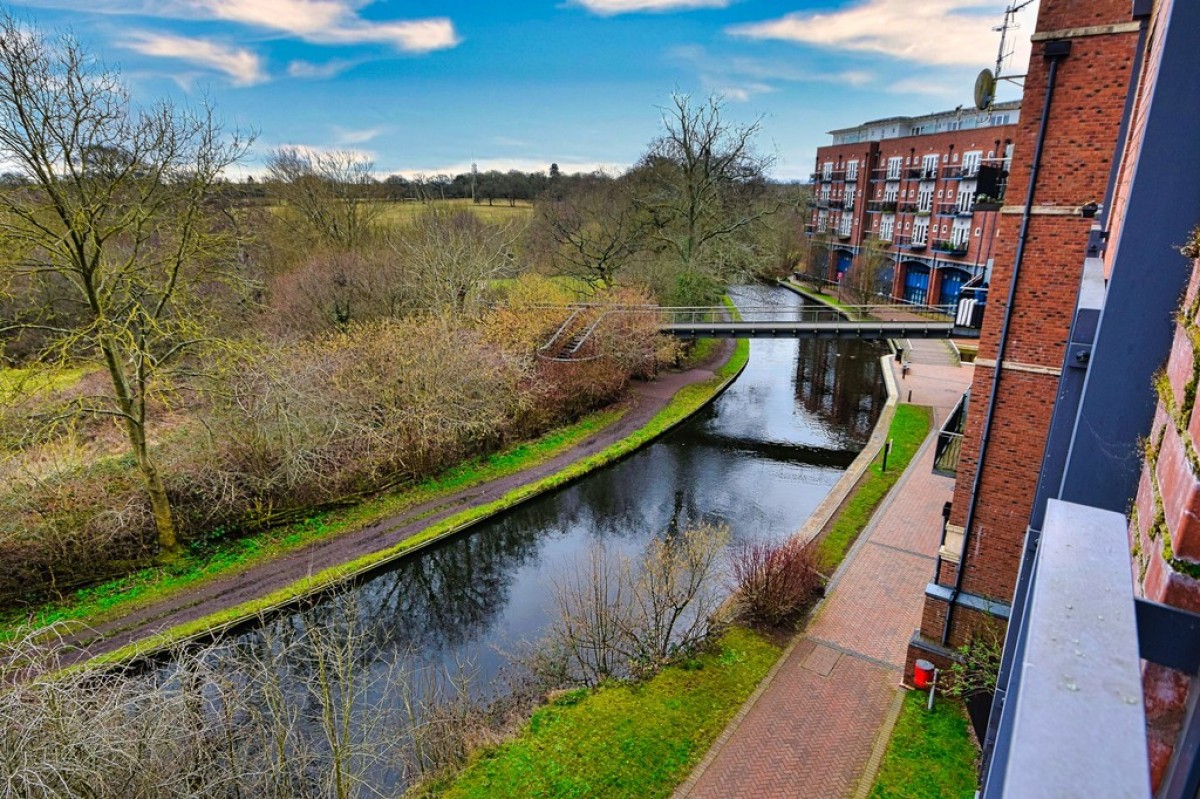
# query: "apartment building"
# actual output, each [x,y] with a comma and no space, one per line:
[924,189]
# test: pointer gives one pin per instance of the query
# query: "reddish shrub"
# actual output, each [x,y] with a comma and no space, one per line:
[774,583]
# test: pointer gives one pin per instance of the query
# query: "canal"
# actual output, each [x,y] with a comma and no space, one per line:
[759,460]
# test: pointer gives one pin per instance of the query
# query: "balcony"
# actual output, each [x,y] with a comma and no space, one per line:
[898,239]
[917,245]
[906,207]
[946,209]
[949,440]
[881,206]
[913,173]
[843,235]
[837,175]
[883,173]
[968,172]
[836,204]
[928,173]
[950,247]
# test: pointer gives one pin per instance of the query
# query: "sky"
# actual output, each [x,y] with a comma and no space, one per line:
[429,86]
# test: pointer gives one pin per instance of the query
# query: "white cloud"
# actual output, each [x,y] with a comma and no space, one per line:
[243,66]
[334,22]
[741,78]
[608,8]
[361,136]
[316,21]
[937,32]
[330,69]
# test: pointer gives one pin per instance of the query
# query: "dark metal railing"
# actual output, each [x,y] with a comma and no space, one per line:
[949,441]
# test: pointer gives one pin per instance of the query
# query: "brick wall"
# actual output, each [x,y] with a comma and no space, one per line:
[1081,138]
[1164,523]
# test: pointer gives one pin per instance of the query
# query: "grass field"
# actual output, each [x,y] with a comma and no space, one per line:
[930,754]
[621,740]
[400,213]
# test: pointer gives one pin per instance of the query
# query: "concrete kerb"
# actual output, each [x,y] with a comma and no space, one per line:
[822,515]
[845,484]
[316,584]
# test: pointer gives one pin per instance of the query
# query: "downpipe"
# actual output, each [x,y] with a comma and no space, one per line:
[1054,52]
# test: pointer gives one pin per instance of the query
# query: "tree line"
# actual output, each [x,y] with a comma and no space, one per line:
[239,365]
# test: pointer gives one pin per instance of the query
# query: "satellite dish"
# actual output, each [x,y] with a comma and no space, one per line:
[985,89]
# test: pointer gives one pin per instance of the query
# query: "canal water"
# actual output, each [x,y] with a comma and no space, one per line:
[759,460]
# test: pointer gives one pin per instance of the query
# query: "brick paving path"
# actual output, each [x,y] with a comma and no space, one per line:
[811,730]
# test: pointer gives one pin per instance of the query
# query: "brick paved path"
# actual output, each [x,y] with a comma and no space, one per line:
[812,729]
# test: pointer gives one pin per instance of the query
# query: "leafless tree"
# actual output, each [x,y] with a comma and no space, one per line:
[702,180]
[328,195]
[618,616]
[450,254]
[592,230]
[113,211]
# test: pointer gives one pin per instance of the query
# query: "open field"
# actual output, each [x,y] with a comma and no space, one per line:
[500,211]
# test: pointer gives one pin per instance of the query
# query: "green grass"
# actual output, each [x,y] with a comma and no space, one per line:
[818,294]
[148,585]
[685,402]
[621,740]
[930,754]
[909,427]
[499,211]
[37,381]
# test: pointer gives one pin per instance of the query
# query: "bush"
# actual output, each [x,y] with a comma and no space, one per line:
[774,583]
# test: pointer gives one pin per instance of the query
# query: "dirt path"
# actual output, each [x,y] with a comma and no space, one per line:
[644,400]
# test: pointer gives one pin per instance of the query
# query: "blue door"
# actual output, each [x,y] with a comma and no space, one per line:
[916,283]
[884,278]
[844,260]
[952,283]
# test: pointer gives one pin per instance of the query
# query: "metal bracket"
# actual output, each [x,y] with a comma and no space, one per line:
[1168,636]
[1079,356]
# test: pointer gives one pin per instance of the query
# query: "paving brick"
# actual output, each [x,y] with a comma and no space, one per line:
[811,731]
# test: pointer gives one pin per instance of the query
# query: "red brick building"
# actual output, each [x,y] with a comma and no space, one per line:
[1083,312]
[925,188]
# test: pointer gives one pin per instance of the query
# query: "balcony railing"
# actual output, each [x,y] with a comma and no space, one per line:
[906,207]
[837,204]
[960,172]
[917,244]
[881,206]
[928,173]
[950,247]
[912,173]
[946,209]
[884,173]
[949,440]
[900,239]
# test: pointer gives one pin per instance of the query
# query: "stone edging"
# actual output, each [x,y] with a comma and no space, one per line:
[845,484]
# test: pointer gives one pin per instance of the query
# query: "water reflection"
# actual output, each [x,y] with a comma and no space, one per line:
[759,460]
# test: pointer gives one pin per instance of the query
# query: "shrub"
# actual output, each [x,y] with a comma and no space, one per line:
[774,583]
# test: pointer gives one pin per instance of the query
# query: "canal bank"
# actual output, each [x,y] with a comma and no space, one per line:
[819,723]
[234,600]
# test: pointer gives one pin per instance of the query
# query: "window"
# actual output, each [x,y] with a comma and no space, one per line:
[852,170]
[894,166]
[966,200]
[827,170]
[822,221]
[844,225]
[920,231]
[925,200]
[891,193]
[929,165]
[960,236]
[825,195]
[970,163]
[849,198]
[887,224]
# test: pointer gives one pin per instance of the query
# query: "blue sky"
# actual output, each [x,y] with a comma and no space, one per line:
[427,86]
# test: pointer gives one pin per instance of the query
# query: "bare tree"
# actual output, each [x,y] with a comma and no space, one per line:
[702,181]
[618,616]
[448,255]
[330,195]
[592,230]
[114,212]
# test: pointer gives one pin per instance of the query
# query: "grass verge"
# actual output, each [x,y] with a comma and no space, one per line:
[930,754]
[100,602]
[909,427]
[621,740]
[685,403]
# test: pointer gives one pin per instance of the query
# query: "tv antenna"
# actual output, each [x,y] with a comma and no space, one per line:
[985,83]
